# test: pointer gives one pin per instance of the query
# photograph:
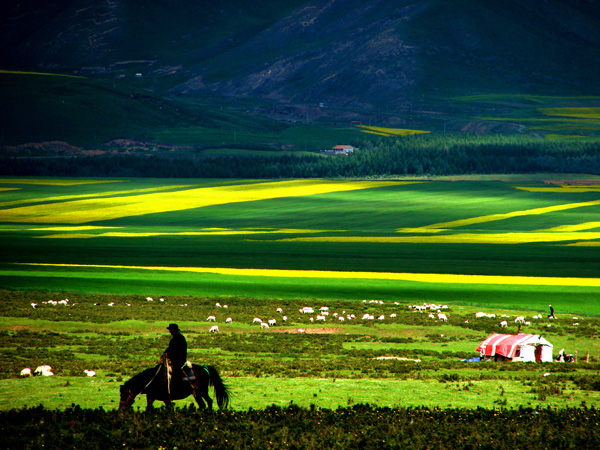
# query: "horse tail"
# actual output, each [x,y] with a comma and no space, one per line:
[221,389]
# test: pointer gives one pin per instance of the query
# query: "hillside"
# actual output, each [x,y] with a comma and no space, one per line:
[401,63]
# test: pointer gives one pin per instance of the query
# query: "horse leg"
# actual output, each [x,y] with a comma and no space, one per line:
[149,403]
[202,394]
[198,398]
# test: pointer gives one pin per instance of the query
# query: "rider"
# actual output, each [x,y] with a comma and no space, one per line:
[177,352]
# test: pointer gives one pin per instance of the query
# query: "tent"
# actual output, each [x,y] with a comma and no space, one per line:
[516,347]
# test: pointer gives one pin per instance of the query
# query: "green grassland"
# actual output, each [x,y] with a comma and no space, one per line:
[96,112]
[256,245]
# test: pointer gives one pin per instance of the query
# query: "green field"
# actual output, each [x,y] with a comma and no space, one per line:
[508,247]
[504,243]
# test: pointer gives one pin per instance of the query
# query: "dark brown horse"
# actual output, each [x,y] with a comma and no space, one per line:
[153,383]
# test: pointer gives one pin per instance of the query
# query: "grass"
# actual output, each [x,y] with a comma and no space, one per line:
[249,244]
[332,365]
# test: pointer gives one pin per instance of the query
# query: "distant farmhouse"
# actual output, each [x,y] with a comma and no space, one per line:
[339,150]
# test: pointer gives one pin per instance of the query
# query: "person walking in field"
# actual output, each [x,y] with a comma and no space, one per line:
[551,316]
[176,352]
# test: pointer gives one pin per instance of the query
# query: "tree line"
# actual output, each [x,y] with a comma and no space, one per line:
[402,156]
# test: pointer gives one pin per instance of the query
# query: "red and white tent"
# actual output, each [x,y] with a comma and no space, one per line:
[517,347]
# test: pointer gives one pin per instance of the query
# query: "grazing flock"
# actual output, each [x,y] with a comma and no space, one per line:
[323,314]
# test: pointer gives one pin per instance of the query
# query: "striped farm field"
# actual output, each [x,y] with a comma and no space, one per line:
[467,242]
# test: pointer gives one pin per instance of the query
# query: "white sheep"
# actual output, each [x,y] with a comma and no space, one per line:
[211,319]
[44,370]
[272,322]
[321,317]
[442,316]
[218,305]
[90,373]
[504,324]
[34,305]
[382,317]
[341,319]
[480,315]
[214,329]
[26,372]
[229,320]
[264,325]
[393,315]
[150,299]
[520,319]
[284,318]
[256,320]
[280,310]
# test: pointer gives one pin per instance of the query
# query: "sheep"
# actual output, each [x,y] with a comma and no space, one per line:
[324,308]
[393,315]
[90,373]
[211,319]
[442,316]
[150,299]
[301,330]
[111,304]
[229,320]
[214,329]
[44,370]
[504,324]
[431,316]
[26,372]
[280,310]
[257,320]
[264,325]
[34,305]
[365,316]
[284,318]
[520,319]
[218,305]
[307,310]
[321,317]
[161,299]
[480,315]
[382,317]
[341,318]
[272,322]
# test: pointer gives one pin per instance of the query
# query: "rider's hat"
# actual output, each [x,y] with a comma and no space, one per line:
[173,327]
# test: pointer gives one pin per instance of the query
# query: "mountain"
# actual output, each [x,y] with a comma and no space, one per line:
[366,56]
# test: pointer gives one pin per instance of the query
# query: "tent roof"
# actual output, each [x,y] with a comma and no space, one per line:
[506,344]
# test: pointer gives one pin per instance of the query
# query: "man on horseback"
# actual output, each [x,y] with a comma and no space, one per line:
[177,353]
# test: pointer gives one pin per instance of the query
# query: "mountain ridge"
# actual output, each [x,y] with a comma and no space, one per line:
[344,52]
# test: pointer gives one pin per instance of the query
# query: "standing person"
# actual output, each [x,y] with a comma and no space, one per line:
[177,352]
[551,316]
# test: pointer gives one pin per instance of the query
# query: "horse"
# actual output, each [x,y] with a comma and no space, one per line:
[153,383]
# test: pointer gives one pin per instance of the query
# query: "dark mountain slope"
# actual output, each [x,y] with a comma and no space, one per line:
[389,53]
[341,52]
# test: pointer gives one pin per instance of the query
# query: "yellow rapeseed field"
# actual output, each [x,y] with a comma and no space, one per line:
[578,112]
[95,209]
[576,227]
[126,234]
[420,277]
[61,198]
[383,131]
[435,228]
